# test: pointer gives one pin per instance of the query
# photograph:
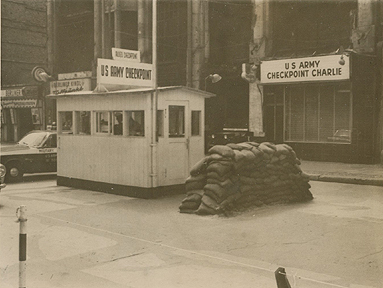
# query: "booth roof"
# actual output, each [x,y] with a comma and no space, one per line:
[132,91]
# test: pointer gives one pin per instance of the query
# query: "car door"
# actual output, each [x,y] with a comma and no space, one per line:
[48,155]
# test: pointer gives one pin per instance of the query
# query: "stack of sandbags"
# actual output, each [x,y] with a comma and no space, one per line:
[221,181]
[194,185]
[272,175]
[238,176]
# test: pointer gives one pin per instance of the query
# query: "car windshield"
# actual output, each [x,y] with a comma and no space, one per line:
[34,139]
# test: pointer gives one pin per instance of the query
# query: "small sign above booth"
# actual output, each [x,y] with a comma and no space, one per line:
[71,85]
[74,75]
[321,68]
[118,74]
[127,55]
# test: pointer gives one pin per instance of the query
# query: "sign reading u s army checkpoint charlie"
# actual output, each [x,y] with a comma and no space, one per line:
[322,68]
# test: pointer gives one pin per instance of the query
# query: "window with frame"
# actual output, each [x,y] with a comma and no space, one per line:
[196,123]
[66,122]
[102,122]
[136,123]
[83,122]
[117,122]
[176,121]
[318,113]
[160,123]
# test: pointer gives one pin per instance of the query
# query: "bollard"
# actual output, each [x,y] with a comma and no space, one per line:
[280,277]
[22,219]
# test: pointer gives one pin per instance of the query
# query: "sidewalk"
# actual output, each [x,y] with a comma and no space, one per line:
[366,174]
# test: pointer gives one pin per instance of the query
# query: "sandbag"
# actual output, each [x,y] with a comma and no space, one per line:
[199,167]
[222,150]
[194,186]
[219,168]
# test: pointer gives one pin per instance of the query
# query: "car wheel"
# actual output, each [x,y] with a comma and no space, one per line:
[14,172]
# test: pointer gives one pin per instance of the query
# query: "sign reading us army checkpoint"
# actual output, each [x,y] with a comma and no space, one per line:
[120,72]
[322,68]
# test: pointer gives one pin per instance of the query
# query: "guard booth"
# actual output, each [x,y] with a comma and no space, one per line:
[107,142]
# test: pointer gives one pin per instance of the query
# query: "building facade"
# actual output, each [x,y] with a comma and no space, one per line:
[23,47]
[329,119]
[328,111]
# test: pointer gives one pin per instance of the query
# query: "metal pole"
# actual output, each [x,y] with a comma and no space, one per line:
[117,25]
[97,35]
[141,28]
[103,42]
[155,97]
[22,219]
[281,278]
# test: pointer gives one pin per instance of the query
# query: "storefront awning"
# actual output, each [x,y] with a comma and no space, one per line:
[19,103]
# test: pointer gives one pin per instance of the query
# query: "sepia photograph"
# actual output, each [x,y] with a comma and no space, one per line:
[191,144]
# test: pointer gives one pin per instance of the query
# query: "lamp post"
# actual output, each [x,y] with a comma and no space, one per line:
[214,78]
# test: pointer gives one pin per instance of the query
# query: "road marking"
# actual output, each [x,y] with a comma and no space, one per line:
[186,250]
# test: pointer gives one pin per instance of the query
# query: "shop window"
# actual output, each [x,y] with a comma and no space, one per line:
[117,123]
[102,122]
[196,123]
[176,121]
[318,114]
[160,123]
[66,122]
[136,123]
[83,122]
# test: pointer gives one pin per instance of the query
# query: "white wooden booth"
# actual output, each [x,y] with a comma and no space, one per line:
[106,141]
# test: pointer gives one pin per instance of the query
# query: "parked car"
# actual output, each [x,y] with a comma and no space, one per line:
[228,135]
[341,135]
[36,152]
[3,171]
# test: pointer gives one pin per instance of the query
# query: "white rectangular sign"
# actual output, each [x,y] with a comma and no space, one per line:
[67,86]
[74,75]
[321,68]
[127,55]
[12,92]
[124,73]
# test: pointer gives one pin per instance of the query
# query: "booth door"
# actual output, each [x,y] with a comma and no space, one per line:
[176,142]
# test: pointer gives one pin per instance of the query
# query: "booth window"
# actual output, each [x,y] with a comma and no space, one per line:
[176,121]
[196,123]
[117,123]
[136,123]
[160,123]
[318,113]
[66,120]
[103,122]
[83,122]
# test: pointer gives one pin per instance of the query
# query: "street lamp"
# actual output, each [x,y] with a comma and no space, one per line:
[214,78]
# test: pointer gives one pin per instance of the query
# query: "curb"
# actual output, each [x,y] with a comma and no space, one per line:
[346,179]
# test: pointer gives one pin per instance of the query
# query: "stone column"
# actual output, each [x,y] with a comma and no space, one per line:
[258,49]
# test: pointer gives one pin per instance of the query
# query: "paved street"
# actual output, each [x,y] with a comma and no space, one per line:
[80,238]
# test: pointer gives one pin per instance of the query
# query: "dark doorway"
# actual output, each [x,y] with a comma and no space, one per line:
[273,114]
[25,122]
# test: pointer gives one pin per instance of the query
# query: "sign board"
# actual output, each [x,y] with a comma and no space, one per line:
[124,73]
[73,85]
[22,103]
[74,75]
[26,92]
[124,54]
[12,92]
[321,68]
